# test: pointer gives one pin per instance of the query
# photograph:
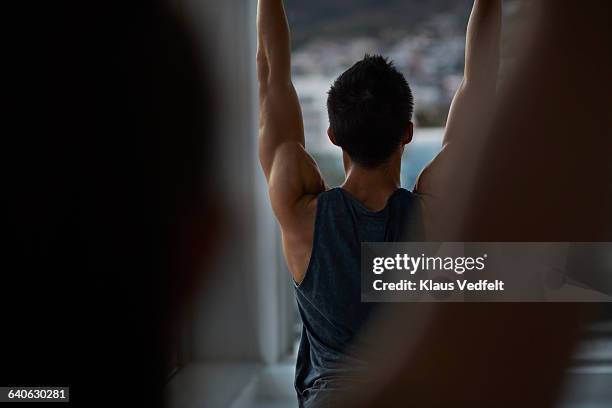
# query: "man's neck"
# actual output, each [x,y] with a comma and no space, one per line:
[372,187]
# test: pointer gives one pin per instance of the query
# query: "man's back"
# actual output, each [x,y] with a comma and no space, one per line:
[370,108]
[329,296]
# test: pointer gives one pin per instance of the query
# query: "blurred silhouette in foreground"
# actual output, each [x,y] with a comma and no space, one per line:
[539,169]
[110,216]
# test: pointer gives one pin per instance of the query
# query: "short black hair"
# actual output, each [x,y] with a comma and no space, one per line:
[370,107]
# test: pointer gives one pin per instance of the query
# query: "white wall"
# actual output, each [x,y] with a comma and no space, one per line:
[238,316]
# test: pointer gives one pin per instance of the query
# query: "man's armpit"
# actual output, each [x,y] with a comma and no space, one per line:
[435,175]
[294,178]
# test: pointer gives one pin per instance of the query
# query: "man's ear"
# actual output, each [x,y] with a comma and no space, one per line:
[408,134]
[331,135]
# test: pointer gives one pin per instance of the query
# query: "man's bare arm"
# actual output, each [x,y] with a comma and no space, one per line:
[281,132]
[476,93]
[280,115]
[293,177]
[481,66]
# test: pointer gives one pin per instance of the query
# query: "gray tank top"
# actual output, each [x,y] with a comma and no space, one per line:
[329,297]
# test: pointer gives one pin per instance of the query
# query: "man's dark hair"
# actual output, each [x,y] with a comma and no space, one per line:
[370,106]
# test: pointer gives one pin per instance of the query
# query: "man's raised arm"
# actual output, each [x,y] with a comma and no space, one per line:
[280,117]
[292,175]
[481,67]
[476,93]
